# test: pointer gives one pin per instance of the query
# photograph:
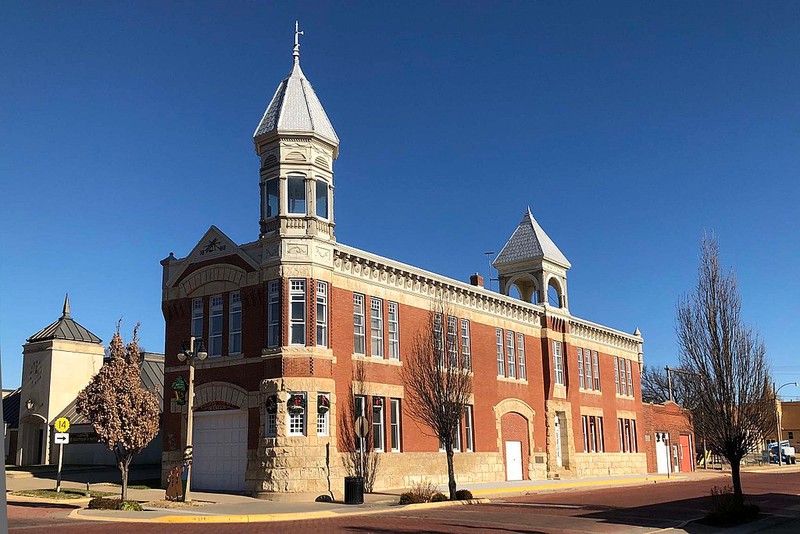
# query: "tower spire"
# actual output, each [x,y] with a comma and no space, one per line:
[65,312]
[297,34]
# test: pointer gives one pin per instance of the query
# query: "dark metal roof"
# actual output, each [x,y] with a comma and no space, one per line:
[152,378]
[11,408]
[65,328]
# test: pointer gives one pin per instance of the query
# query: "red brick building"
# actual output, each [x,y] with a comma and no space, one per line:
[286,319]
[669,439]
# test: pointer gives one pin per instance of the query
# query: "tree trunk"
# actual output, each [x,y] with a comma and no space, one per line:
[736,479]
[451,473]
[124,471]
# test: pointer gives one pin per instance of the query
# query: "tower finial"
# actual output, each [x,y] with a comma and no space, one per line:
[65,312]
[297,34]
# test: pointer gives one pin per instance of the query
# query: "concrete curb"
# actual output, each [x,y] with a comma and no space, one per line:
[521,490]
[270,518]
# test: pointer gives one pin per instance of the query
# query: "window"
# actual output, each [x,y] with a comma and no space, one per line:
[377,423]
[215,326]
[452,342]
[616,373]
[321,199]
[523,373]
[630,377]
[627,436]
[592,433]
[580,369]
[297,306]
[235,324]
[322,314]
[466,360]
[501,364]
[358,323]
[197,318]
[297,417]
[394,332]
[359,404]
[297,194]
[468,425]
[511,354]
[323,414]
[558,363]
[438,341]
[273,313]
[596,371]
[394,407]
[272,425]
[376,327]
[457,441]
[587,367]
[272,197]
[791,435]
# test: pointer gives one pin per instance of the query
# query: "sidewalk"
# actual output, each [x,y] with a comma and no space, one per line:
[225,508]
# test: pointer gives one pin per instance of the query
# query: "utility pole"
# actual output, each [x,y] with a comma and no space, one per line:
[669,383]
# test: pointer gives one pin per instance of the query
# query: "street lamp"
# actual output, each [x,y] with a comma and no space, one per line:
[778,416]
[192,350]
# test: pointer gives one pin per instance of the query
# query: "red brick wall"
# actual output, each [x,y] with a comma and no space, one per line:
[514,427]
[667,417]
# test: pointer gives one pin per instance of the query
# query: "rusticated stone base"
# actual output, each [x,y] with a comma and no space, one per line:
[609,464]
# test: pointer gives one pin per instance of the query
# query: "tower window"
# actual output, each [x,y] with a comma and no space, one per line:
[322,199]
[297,194]
[272,197]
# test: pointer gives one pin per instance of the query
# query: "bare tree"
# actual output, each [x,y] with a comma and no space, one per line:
[349,442]
[733,406]
[655,386]
[123,413]
[437,384]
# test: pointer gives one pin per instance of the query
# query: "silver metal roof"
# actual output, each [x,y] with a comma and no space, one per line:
[296,108]
[65,328]
[529,241]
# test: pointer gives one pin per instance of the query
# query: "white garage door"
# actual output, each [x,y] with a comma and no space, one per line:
[220,450]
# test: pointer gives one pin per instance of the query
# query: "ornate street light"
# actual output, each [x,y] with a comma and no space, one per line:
[190,352]
[778,417]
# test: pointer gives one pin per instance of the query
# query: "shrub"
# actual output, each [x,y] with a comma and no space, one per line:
[464,495]
[410,498]
[420,492]
[101,503]
[727,509]
[439,497]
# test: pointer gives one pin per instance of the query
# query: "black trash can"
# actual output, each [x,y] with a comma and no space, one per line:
[354,490]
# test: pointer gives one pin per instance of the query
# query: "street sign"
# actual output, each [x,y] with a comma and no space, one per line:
[62,425]
[61,438]
[362,426]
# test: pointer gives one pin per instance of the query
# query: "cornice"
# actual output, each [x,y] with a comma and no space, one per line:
[582,329]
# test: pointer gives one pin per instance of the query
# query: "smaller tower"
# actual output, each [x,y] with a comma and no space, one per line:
[533,264]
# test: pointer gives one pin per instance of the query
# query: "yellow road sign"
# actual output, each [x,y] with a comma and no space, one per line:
[62,424]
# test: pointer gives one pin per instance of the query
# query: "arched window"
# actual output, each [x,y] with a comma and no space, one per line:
[296,194]
[321,198]
[553,293]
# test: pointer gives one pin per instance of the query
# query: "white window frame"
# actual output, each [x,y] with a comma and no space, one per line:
[215,305]
[319,181]
[197,317]
[581,383]
[466,359]
[501,359]
[394,331]
[452,342]
[457,442]
[376,327]
[359,410]
[558,363]
[395,428]
[268,214]
[596,367]
[616,373]
[378,434]
[630,377]
[587,369]
[297,297]
[322,314]
[523,371]
[297,421]
[438,339]
[273,313]
[323,419]
[511,354]
[469,426]
[359,335]
[234,333]
[271,422]
[290,210]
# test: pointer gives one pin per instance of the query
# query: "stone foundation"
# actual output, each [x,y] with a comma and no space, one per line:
[610,464]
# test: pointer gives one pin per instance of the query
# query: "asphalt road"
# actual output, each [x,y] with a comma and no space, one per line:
[628,509]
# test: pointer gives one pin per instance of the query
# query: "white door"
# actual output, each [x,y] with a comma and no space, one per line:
[557,432]
[662,452]
[220,450]
[513,460]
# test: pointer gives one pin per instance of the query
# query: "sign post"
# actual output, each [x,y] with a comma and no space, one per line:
[361,431]
[62,426]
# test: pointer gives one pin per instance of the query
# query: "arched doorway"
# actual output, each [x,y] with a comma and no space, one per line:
[515,437]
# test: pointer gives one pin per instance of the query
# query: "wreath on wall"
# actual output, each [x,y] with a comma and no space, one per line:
[272,404]
[323,404]
[296,404]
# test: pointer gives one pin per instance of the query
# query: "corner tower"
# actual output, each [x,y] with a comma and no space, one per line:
[297,146]
[533,264]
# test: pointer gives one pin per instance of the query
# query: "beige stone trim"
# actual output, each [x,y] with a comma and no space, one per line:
[376,359]
[591,392]
[516,406]
[221,391]
[213,279]
[591,410]
[512,380]
[213,363]
[560,391]
[383,390]
[626,414]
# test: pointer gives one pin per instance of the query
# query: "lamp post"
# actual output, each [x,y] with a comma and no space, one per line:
[778,416]
[191,351]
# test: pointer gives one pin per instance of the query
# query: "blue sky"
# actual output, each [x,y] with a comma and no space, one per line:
[629,128]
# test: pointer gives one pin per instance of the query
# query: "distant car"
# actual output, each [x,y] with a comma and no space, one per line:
[787,453]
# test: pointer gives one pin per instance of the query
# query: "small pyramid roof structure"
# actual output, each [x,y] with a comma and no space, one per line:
[295,108]
[65,328]
[528,242]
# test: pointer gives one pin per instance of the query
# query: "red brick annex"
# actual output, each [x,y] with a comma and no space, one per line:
[287,318]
